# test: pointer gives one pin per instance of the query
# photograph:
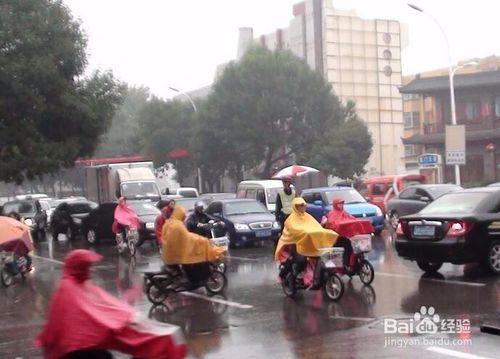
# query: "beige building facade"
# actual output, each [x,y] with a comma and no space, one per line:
[361,58]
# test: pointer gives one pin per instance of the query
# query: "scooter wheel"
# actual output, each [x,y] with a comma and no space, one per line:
[216,282]
[288,285]
[131,248]
[366,272]
[157,292]
[6,278]
[333,287]
[222,267]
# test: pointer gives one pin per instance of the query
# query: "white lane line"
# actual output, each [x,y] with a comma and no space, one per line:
[244,258]
[48,259]
[445,281]
[217,300]
[360,319]
[455,353]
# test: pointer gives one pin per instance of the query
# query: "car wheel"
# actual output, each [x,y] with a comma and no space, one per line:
[429,267]
[92,236]
[492,260]
[393,219]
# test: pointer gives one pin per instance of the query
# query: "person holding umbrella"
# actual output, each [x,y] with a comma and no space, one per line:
[284,200]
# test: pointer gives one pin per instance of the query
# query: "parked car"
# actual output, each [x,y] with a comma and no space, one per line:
[68,216]
[458,227]
[32,214]
[496,184]
[379,190]
[246,220]
[22,197]
[97,225]
[413,198]
[264,191]
[210,197]
[319,203]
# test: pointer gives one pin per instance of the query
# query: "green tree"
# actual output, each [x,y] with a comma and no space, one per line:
[271,105]
[49,114]
[343,150]
[122,138]
[165,126]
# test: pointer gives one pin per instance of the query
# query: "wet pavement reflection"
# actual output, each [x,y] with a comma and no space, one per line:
[253,318]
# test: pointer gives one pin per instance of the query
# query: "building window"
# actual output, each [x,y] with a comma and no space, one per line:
[387,38]
[410,150]
[472,110]
[413,96]
[411,119]
[387,71]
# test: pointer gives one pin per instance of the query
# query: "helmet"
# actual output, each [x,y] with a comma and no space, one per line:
[199,204]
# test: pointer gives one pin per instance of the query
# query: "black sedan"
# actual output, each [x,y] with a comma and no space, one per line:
[413,198]
[98,224]
[246,220]
[459,227]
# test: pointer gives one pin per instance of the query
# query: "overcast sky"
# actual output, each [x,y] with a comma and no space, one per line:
[179,43]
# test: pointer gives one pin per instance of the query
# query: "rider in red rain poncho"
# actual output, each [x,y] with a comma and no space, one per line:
[84,317]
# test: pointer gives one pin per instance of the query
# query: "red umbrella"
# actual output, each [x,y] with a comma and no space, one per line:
[294,170]
[177,153]
[14,236]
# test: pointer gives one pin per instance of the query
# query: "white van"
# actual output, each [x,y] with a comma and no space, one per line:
[264,191]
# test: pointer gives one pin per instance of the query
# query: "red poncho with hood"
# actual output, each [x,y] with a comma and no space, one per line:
[344,223]
[124,215]
[84,316]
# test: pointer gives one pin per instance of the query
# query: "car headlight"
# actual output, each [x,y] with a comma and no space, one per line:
[241,227]
[276,225]
[28,221]
[378,211]
[150,225]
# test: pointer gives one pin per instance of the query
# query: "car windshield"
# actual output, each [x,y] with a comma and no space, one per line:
[19,207]
[187,203]
[453,203]
[348,195]
[244,207]
[144,208]
[271,194]
[438,191]
[139,189]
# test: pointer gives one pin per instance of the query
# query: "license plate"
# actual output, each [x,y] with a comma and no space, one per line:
[424,230]
[263,233]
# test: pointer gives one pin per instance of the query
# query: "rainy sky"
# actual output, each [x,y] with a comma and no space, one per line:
[179,43]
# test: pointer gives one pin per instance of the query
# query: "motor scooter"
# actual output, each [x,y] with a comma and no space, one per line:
[11,267]
[331,262]
[128,240]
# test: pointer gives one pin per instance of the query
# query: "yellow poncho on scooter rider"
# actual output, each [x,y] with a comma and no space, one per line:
[305,232]
[179,246]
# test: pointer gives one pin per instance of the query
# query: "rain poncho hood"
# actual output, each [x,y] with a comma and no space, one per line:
[14,236]
[305,232]
[82,315]
[337,215]
[179,246]
[125,215]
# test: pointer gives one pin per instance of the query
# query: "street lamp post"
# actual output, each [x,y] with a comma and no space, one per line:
[195,111]
[451,72]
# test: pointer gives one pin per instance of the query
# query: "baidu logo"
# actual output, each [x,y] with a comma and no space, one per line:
[428,322]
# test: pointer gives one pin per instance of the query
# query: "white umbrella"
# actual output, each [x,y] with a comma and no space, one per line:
[294,170]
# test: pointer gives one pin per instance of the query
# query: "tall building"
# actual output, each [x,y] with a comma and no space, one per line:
[361,58]
[426,104]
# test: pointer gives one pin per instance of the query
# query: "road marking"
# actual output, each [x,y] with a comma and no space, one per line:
[217,300]
[445,281]
[455,353]
[361,319]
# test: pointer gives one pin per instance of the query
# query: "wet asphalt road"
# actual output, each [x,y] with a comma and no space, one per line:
[253,319]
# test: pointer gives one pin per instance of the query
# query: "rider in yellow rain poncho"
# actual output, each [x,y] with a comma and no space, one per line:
[303,236]
[179,246]
[303,231]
